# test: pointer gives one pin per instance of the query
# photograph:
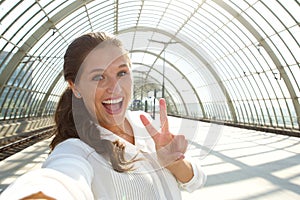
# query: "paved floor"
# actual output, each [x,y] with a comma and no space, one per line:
[241,164]
[29,159]
[247,164]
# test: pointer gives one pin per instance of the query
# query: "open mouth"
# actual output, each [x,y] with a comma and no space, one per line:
[113,106]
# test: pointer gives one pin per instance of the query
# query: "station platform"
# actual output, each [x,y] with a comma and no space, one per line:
[241,164]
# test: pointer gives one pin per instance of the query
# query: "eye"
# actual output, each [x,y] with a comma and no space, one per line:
[122,73]
[98,77]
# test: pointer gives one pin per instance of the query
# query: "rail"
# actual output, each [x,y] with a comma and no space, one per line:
[15,144]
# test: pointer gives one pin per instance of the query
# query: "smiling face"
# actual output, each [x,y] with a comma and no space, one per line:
[105,85]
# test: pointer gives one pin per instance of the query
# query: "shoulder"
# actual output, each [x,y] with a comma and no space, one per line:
[71,158]
[73,146]
[70,150]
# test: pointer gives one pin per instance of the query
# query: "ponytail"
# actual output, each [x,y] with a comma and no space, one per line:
[63,118]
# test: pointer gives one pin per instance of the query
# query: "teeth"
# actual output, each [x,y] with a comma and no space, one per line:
[112,101]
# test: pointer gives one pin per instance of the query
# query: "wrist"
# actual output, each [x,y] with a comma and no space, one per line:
[173,166]
[182,170]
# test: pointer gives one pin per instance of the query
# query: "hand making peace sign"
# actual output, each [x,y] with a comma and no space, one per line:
[169,147]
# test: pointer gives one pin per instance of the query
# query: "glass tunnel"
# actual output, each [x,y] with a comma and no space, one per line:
[235,62]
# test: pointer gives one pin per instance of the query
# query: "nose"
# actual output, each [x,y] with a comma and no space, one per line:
[113,86]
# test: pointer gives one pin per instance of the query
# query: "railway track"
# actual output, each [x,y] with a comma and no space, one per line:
[15,144]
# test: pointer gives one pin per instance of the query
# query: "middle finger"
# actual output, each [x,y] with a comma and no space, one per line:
[163,116]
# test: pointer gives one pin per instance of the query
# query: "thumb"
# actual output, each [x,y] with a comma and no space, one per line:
[170,158]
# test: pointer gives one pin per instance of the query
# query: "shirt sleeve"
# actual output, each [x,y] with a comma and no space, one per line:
[66,174]
[198,179]
[51,182]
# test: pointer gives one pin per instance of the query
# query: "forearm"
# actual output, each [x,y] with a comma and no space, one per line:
[182,170]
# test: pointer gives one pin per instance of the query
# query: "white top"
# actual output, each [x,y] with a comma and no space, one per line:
[74,170]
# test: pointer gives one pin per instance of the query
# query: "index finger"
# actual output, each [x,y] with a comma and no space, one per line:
[151,130]
[163,115]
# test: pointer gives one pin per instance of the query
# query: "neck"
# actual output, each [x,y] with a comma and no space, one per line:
[123,130]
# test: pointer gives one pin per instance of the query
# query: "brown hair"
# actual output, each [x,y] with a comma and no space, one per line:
[70,107]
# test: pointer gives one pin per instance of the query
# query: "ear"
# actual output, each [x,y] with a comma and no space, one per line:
[74,89]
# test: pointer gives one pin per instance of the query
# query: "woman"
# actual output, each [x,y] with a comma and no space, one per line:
[101,150]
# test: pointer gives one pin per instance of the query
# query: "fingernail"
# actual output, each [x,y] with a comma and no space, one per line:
[144,120]
[181,157]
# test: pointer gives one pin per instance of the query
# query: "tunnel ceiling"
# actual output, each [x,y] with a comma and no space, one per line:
[234,61]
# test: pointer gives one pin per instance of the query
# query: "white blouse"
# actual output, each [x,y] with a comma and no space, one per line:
[74,170]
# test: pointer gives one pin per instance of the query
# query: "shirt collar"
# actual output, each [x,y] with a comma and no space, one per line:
[142,139]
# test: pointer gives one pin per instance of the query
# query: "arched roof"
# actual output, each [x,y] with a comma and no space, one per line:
[234,61]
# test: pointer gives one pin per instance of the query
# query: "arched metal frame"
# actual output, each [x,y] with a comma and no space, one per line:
[172,101]
[170,82]
[249,50]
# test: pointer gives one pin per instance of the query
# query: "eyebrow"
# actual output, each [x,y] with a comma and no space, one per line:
[96,70]
[101,69]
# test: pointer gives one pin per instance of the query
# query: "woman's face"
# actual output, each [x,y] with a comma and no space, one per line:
[105,85]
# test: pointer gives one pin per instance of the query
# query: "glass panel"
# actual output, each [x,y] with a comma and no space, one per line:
[264,111]
[171,27]
[292,7]
[27,77]
[238,5]
[249,112]
[244,89]
[3,101]
[60,86]
[280,13]
[193,25]
[57,6]
[219,68]
[253,118]
[4,59]
[36,22]
[283,49]
[258,22]
[239,111]
[275,113]
[259,117]
[231,90]
[220,39]
[271,84]
[269,16]
[156,4]
[8,104]
[6,6]
[124,3]
[20,23]
[13,15]
[255,80]
[286,116]
[252,89]
[293,73]
[179,12]
[244,63]
[207,15]
[74,15]
[225,17]
[295,31]
[295,119]
[291,44]
[46,41]
[187,7]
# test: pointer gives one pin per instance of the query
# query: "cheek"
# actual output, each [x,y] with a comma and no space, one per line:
[127,86]
[88,93]
[98,95]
